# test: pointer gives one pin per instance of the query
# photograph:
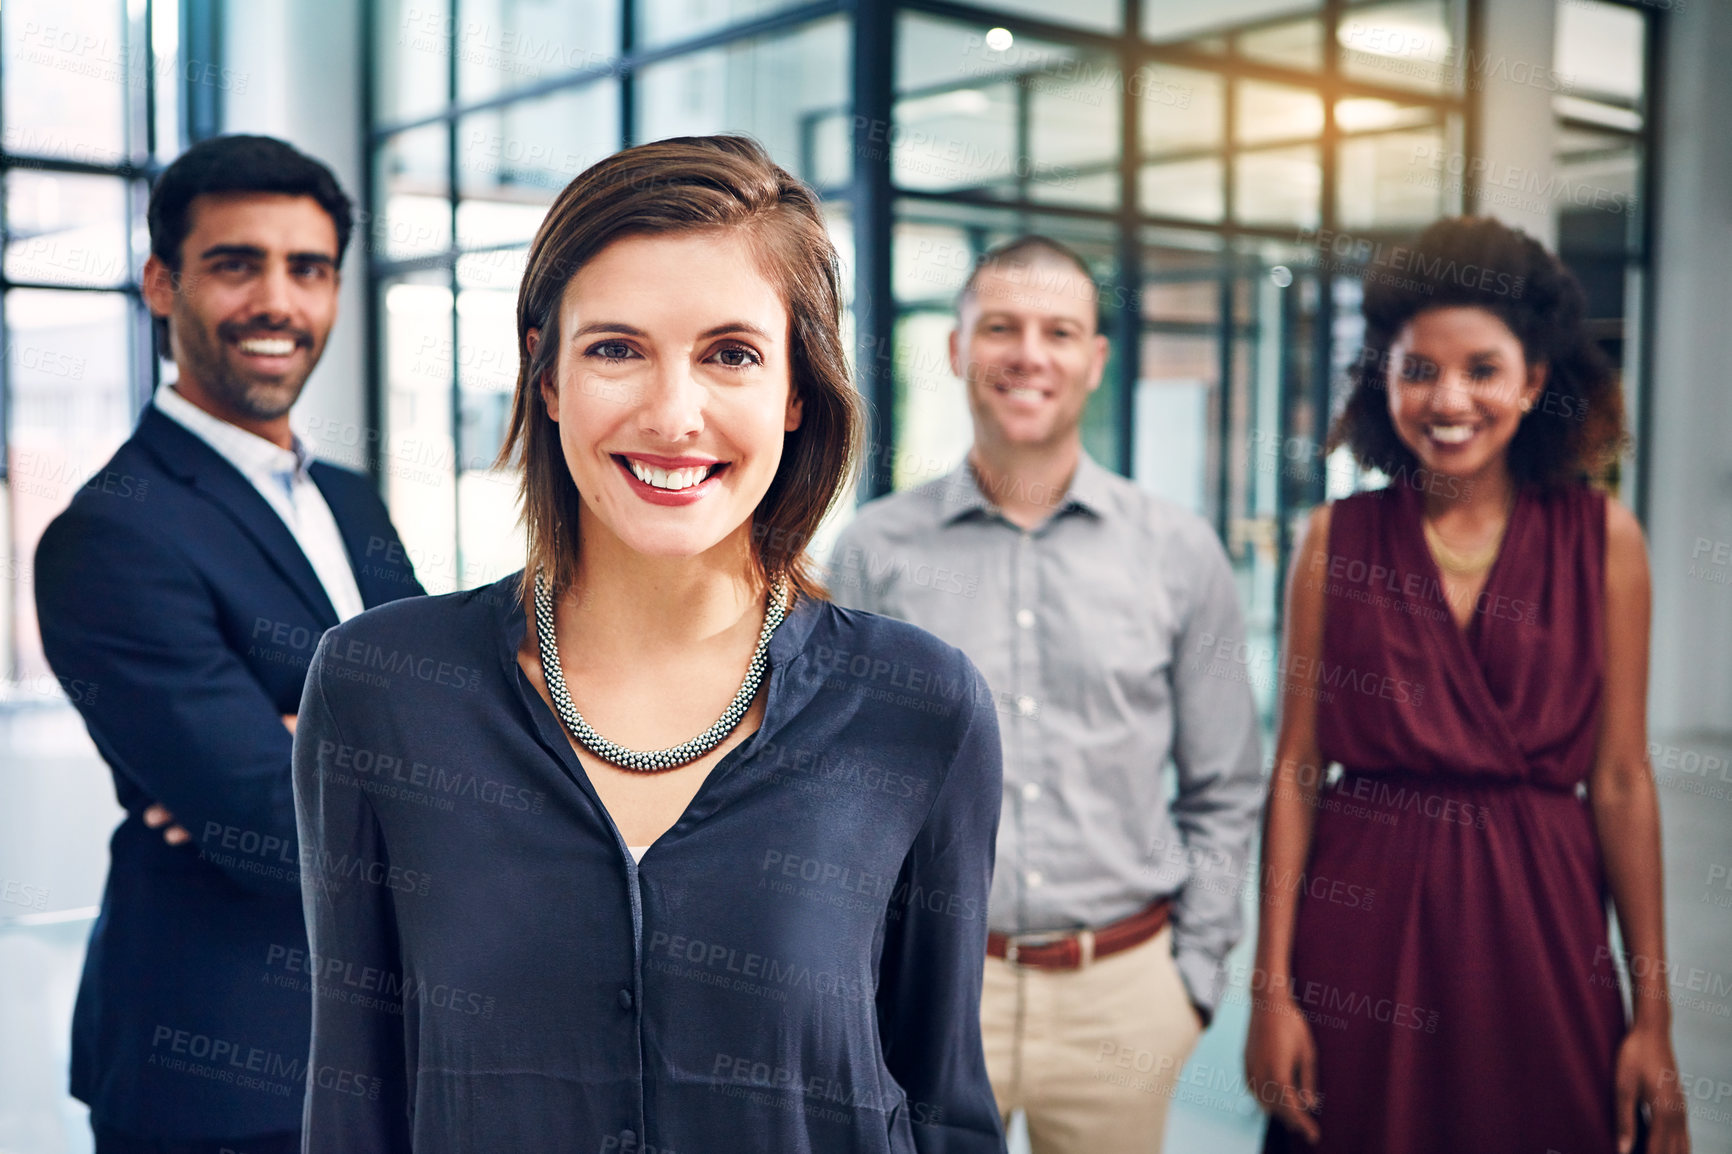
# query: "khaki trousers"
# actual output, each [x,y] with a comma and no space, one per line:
[1090,1056]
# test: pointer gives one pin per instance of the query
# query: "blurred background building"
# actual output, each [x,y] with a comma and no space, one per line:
[1233,171]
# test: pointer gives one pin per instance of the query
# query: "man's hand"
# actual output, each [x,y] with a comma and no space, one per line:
[158,816]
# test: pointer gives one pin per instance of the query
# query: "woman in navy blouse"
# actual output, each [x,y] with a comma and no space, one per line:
[562,895]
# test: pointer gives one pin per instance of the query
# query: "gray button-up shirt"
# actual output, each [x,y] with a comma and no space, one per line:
[1101,634]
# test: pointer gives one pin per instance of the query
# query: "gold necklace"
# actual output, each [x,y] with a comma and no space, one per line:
[1458,564]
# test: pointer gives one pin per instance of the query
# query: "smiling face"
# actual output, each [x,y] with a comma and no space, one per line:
[1458,382]
[672,391]
[1026,345]
[255,300]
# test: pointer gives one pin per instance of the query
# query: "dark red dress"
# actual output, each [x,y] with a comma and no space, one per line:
[1451,948]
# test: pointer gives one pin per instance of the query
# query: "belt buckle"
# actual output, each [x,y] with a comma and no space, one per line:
[1013,944]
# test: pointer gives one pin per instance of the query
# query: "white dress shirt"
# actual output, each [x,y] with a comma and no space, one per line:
[280,475]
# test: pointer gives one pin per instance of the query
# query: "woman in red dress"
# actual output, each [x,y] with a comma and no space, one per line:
[1470,646]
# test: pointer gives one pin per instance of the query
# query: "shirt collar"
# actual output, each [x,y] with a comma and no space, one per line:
[959,492]
[250,453]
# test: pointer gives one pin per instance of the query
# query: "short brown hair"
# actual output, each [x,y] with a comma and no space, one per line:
[1576,428]
[1024,252]
[703,183]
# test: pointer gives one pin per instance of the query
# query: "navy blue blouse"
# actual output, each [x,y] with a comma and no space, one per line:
[794,966]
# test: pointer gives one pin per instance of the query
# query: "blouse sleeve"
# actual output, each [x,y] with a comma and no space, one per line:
[357,1100]
[934,953]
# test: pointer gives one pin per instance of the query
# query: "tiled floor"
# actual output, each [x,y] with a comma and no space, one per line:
[1695,777]
[57,807]
[56,810]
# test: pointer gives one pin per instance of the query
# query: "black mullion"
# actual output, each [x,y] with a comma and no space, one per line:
[130,288]
[451,176]
[1286,386]
[1225,335]
[1654,101]
[1080,212]
[10,657]
[201,35]
[874,299]
[1023,136]
[1247,69]
[374,461]
[1229,149]
[1277,144]
[1176,156]
[1106,217]
[627,74]
[1224,295]
[1470,135]
[76,167]
[1238,26]
[150,79]
[1323,346]
[1128,302]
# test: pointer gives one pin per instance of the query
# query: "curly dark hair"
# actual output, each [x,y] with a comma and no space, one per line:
[1576,427]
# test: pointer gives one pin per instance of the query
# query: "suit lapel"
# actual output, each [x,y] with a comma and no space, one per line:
[187,456]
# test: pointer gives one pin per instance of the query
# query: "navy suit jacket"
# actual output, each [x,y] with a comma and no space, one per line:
[179,610]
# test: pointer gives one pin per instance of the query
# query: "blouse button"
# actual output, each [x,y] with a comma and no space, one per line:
[1025,618]
[625,999]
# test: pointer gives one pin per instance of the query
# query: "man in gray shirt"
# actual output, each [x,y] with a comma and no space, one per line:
[1106,622]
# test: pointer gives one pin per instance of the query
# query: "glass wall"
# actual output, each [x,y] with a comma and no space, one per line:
[484,110]
[90,99]
[1223,168]
[1197,167]
[1599,187]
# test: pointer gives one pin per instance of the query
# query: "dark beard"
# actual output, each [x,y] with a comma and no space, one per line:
[260,402]
[204,353]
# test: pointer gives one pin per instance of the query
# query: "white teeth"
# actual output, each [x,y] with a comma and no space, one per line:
[674,479]
[269,346]
[1449,434]
[1023,394]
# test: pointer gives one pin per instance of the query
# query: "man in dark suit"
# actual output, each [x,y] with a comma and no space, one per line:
[190,585]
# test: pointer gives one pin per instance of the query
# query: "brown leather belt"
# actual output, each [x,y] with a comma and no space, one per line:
[1074,949]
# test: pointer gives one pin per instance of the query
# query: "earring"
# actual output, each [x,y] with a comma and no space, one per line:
[1527,404]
